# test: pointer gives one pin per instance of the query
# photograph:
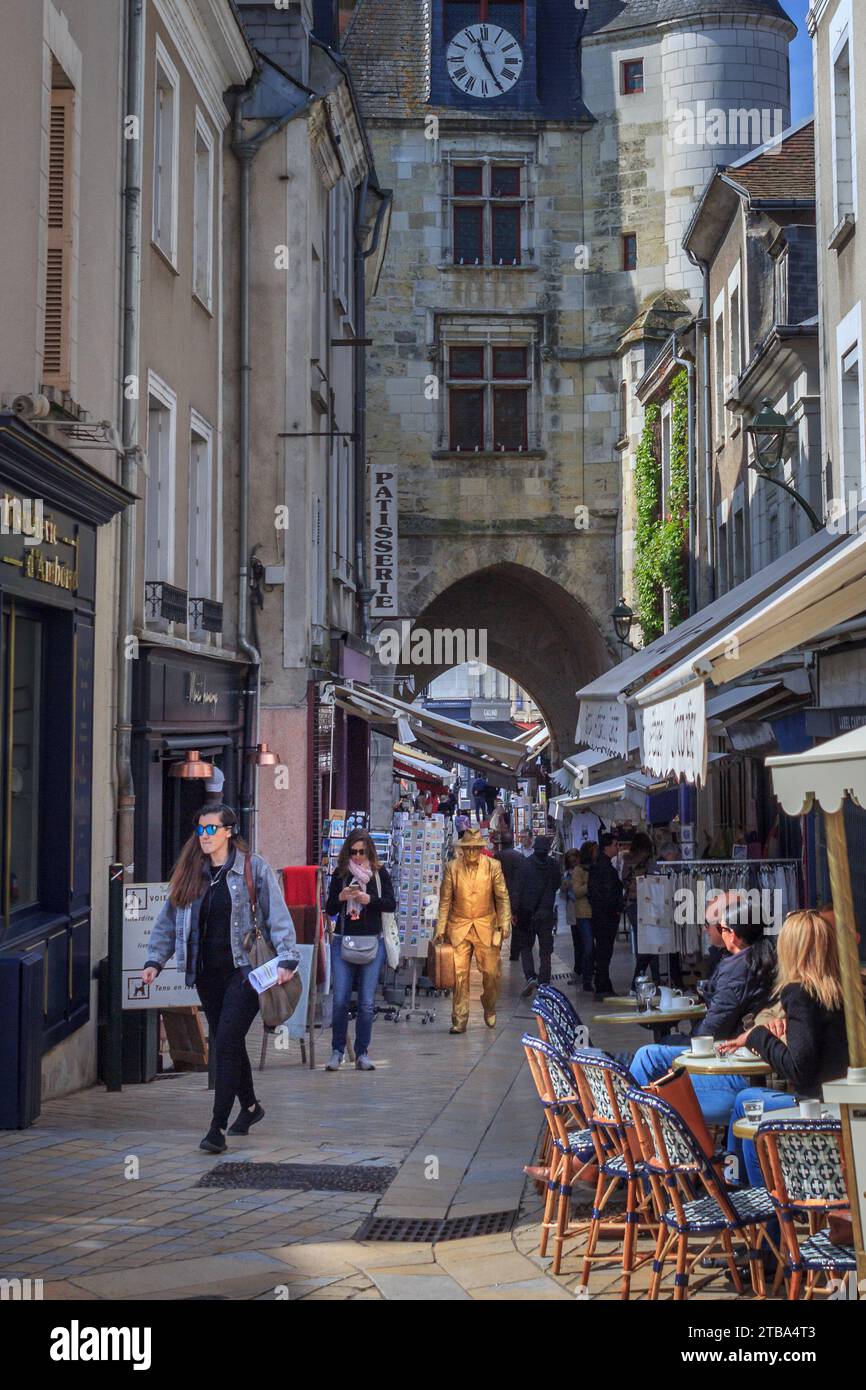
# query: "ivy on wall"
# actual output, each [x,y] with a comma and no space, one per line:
[661,541]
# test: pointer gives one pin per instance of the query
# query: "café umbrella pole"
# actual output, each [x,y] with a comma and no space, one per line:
[855,1012]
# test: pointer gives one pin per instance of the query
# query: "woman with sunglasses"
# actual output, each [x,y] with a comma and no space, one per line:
[204,921]
[359,892]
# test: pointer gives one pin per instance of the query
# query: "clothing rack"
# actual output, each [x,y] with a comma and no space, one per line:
[727,875]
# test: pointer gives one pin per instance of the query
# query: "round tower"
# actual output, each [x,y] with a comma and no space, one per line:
[726,81]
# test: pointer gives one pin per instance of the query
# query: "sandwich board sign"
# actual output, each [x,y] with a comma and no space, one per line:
[142,903]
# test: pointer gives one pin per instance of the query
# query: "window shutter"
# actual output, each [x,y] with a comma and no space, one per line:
[58,272]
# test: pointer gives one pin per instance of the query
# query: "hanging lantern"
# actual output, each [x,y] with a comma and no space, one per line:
[191,767]
[261,756]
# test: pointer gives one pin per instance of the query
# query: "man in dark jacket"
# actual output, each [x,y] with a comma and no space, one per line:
[606,900]
[479,797]
[539,884]
[512,862]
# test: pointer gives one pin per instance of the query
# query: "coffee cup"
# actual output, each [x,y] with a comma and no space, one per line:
[810,1109]
[703,1046]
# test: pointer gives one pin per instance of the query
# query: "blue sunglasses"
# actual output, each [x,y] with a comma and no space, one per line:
[210,830]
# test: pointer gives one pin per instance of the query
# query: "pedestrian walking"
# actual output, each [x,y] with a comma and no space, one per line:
[512,862]
[525,843]
[359,892]
[638,861]
[604,891]
[479,798]
[539,885]
[203,923]
[579,863]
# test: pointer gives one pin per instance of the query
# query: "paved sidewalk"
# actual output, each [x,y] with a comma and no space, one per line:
[100,1199]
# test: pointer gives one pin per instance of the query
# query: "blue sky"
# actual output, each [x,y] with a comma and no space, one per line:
[801,62]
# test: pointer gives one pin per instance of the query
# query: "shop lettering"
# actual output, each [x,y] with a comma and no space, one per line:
[50,571]
[26,517]
[198,694]
[384,517]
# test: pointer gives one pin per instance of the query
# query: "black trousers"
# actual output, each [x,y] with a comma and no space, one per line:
[230,1005]
[604,932]
[528,934]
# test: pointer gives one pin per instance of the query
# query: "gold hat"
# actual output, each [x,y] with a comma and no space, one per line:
[473,839]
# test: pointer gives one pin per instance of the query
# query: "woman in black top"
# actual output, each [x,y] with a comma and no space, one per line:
[808,1046]
[358,900]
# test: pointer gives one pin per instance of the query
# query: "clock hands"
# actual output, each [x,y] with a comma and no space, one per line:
[486,63]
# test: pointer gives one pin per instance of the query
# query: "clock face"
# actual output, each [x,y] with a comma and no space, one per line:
[484,60]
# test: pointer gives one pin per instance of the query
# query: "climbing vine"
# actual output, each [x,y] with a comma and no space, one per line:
[661,541]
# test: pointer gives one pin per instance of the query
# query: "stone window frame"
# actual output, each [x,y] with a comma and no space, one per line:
[624,89]
[844,209]
[166,136]
[491,331]
[527,161]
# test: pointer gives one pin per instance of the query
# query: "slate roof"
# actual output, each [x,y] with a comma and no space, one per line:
[784,172]
[607,16]
[387,46]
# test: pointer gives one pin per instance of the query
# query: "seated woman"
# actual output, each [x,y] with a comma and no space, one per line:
[740,985]
[808,1045]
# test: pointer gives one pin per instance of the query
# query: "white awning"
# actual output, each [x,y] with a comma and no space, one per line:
[660,655]
[826,775]
[631,786]
[444,738]
[827,592]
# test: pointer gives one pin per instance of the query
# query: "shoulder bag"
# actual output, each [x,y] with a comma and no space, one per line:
[278,1003]
[359,948]
[390,932]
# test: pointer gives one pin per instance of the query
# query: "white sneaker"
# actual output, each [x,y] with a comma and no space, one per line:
[363,1063]
[336,1062]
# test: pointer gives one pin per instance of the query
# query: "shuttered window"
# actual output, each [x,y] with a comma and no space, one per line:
[58,267]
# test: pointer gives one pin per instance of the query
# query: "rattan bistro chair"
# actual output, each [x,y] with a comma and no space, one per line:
[694,1202]
[803,1168]
[556,1015]
[604,1086]
[571,1150]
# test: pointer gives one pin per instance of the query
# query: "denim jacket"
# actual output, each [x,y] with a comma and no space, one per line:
[176,928]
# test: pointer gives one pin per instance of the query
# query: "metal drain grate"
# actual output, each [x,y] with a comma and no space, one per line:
[303,1177]
[429,1232]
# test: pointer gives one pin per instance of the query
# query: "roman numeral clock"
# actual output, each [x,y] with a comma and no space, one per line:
[484,60]
[484,55]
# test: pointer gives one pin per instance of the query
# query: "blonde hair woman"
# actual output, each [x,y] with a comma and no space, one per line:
[808,1046]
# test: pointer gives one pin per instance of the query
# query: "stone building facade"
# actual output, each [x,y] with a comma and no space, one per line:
[545,218]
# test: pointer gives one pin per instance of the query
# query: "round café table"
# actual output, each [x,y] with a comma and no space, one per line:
[721,1066]
[747,1129]
[659,1020]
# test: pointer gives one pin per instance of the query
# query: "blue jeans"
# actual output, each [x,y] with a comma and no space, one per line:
[716,1094]
[581,936]
[345,978]
[744,1149]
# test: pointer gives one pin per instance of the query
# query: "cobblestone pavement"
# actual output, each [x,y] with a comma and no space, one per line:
[101,1200]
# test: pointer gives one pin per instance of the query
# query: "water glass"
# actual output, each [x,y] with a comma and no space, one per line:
[753,1110]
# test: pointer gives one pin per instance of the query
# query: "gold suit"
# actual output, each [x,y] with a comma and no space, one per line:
[473,904]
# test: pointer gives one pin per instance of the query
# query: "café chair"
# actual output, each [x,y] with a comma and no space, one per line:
[802,1165]
[571,1152]
[555,1012]
[694,1203]
[604,1086]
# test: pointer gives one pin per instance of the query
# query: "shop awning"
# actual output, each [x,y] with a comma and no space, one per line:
[826,775]
[829,591]
[412,763]
[501,758]
[603,722]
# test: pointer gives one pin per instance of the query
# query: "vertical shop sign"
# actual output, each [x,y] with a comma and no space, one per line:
[383,517]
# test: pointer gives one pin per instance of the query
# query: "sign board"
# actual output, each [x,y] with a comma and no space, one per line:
[603,725]
[142,903]
[383,541]
[674,736]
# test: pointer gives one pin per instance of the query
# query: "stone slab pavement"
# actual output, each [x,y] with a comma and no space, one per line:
[100,1199]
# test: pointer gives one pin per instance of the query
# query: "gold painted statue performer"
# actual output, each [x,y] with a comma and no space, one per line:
[475,917]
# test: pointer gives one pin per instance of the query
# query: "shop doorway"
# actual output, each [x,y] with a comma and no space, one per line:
[182,800]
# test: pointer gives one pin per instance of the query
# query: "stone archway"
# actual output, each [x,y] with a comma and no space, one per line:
[536,632]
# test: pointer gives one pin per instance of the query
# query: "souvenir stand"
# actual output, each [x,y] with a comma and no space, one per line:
[418,857]
[827,776]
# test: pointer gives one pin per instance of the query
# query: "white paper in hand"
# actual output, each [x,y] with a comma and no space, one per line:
[265,976]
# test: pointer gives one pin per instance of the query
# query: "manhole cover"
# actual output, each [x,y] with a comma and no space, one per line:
[429,1232]
[304,1177]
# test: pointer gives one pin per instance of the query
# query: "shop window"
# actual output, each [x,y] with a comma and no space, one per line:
[490,213]
[489,389]
[629,251]
[203,212]
[166,121]
[631,77]
[57,329]
[23,652]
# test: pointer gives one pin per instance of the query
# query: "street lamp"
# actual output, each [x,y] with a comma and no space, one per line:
[768,433]
[623,619]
